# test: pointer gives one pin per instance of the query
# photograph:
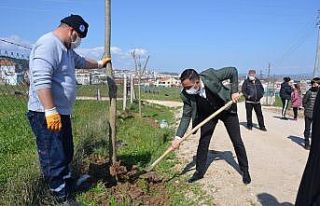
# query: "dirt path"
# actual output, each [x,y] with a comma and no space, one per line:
[276,160]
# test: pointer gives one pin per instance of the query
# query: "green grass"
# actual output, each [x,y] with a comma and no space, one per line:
[278,102]
[161,93]
[158,93]
[20,182]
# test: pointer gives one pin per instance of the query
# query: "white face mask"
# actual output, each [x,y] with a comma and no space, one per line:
[192,90]
[252,78]
[76,43]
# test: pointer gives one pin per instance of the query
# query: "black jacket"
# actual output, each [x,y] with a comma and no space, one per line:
[252,90]
[309,190]
[212,79]
[308,101]
[285,91]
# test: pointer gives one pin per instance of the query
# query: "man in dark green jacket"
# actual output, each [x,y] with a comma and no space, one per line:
[202,95]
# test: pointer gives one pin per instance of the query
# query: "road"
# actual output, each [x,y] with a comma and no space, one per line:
[276,160]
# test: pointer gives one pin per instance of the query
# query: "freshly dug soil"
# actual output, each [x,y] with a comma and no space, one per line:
[127,184]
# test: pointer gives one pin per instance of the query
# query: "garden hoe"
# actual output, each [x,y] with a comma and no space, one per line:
[150,176]
[226,106]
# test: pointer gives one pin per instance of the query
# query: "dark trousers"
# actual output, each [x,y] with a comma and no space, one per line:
[285,104]
[231,123]
[295,112]
[258,110]
[307,129]
[55,150]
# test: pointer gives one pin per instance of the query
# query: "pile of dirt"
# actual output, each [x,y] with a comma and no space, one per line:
[127,184]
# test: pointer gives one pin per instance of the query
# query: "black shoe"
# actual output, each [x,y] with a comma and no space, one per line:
[284,118]
[307,146]
[82,184]
[195,177]
[249,127]
[246,179]
[263,129]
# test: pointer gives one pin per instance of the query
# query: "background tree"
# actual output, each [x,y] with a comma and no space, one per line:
[140,71]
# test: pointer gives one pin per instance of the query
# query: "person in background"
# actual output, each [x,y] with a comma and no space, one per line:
[309,189]
[52,93]
[296,100]
[253,91]
[285,95]
[308,103]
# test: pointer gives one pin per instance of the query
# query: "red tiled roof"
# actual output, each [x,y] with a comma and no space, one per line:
[6,62]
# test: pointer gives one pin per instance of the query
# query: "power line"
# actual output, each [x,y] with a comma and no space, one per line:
[16,44]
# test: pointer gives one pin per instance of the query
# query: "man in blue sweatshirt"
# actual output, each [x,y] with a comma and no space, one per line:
[52,94]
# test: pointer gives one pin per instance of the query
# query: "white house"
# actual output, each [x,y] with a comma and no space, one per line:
[10,72]
[167,82]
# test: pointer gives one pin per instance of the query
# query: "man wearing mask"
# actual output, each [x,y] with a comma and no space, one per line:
[202,95]
[52,94]
[308,103]
[309,189]
[253,91]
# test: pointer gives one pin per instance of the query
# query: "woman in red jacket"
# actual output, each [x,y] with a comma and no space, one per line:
[296,100]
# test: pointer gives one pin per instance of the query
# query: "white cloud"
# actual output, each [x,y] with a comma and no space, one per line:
[121,57]
[93,53]
[139,51]
[116,50]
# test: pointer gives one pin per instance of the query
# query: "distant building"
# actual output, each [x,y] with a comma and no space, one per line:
[167,82]
[10,72]
[83,77]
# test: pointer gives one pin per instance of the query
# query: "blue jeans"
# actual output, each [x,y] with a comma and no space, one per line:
[55,150]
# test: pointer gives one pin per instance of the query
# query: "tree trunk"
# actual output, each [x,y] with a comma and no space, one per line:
[132,96]
[124,92]
[112,86]
[139,93]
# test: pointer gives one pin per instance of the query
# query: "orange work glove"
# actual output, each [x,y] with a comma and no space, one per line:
[53,119]
[102,63]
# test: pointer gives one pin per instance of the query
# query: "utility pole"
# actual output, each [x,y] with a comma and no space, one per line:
[261,74]
[268,79]
[316,70]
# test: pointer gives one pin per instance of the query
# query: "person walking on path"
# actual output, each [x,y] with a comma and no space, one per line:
[52,94]
[202,95]
[253,91]
[285,95]
[309,189]
[296,100]
[308,103]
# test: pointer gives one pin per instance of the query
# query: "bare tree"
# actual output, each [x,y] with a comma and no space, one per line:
[112,86]
[140,71]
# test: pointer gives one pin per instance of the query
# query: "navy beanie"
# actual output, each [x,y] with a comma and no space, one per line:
[77,23]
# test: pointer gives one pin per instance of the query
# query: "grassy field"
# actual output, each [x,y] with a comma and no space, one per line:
[158,93]
[142,141]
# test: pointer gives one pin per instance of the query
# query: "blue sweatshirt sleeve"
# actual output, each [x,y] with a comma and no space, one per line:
[44,61]
[79,61]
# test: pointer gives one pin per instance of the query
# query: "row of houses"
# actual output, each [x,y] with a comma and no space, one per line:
[15,71]
[88,77]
